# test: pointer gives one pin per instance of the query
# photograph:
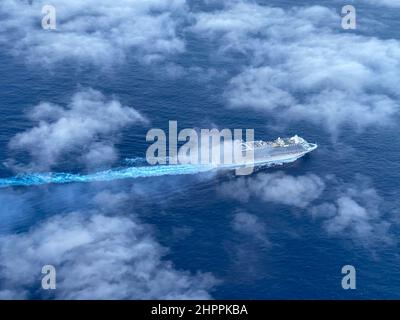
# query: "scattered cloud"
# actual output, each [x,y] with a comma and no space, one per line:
[99,32]
[96,256]
[300,66]
[352,210]
[355,213]
[385,3]
[250,225]
[75,129]
[276,187]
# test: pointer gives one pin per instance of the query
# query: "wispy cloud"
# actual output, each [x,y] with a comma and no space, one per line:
[99,32]
[250,225]
[355,213]
[301,66]
[75,129]
[277,187]
[385,3]
[97,254]
[352,210]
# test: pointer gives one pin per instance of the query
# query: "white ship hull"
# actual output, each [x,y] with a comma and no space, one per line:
[283,158]
[267,153]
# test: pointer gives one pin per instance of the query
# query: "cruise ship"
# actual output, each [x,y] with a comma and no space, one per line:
[278,151]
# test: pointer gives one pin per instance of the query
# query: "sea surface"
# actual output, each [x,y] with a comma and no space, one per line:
[187,213]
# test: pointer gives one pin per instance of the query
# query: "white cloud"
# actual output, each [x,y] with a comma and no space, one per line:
[355,213]
[109,200]
[96,256]
[276,187]
[75,128]
[100,32]
[99,154]
[250,224]
[301,67]
[386,3]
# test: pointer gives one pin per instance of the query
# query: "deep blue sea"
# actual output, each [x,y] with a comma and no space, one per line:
[189,215]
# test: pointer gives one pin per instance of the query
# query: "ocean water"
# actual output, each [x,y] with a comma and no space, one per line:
[187,213]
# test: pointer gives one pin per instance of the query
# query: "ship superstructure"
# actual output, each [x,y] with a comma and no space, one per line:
[278,151]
